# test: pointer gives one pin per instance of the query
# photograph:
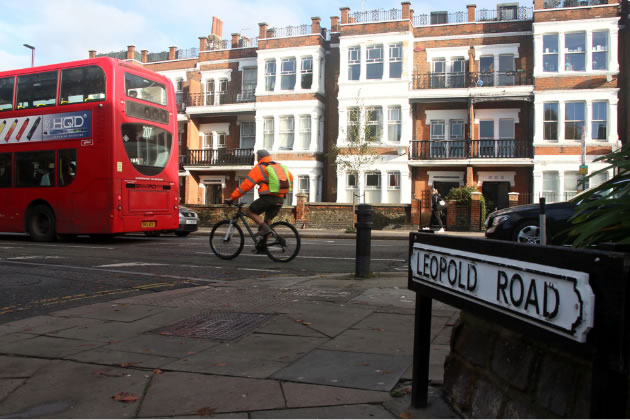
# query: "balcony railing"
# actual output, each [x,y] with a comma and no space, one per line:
[556,4]
[439,18]
[505,13]
[289,31]
[469,149]
[121,55]
[376,16]
[225,98]
[470,80]
[219,157]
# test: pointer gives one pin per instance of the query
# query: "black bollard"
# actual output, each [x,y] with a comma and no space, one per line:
[364,239]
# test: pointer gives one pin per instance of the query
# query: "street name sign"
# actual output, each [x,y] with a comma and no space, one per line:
[556,299]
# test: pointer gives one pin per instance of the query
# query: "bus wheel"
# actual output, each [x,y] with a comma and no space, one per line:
[41,224]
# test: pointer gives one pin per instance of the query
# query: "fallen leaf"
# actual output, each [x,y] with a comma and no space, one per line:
[125,397]
[157,371]
[406,415]
[190,353]
[365,364]
[111,375]
[128,364]
[301,321]
[221,364]
[206,411]
[165,333]
[113,342]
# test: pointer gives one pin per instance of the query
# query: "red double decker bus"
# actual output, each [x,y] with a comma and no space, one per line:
[87,147]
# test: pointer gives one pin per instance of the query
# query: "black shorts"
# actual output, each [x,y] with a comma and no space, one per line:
[268,204]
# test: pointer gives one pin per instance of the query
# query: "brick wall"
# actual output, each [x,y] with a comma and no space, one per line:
[317,215]
[493,372]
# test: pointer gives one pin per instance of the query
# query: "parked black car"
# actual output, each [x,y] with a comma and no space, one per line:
[188,222]
[521,223]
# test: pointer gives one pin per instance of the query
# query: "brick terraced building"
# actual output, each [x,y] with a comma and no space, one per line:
[511,100]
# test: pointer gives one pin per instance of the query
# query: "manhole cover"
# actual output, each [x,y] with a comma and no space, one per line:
[215,325]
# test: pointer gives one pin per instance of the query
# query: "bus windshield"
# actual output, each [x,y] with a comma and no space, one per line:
[145,89]
[148,147]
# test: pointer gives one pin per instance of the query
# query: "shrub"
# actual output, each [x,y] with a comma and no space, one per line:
[463,195]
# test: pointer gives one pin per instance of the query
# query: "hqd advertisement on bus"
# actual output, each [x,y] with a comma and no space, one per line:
[47,127]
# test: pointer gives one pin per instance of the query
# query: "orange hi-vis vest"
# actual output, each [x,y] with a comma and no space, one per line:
[259,176]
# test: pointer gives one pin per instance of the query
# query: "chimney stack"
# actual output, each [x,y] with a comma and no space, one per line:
[334,24]
[92,54]
[262,30]
[471,12]
[345,14]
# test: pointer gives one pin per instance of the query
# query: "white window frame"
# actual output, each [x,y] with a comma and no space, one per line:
[396,177]
[394,122]
[556,121]
[305,132]
[247,136]
[548,53]
[306,69]
[270,75]
[599,51]
[286,134]
[433,136]
[377,174]
[374,56]
[355,184]
[568,121]
[288,69]
[378,122]
[354,59]
[268,132]
[593,120]
[300,180]
[568,53]
[395,57]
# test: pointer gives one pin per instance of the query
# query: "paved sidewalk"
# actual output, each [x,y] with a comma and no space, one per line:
[327,346]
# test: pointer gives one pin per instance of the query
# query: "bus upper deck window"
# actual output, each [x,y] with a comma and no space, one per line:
[6,93]
[37,90]
[83,84]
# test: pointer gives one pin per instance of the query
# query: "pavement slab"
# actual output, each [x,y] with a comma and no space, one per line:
[13,337]
[161,345]
[283,325]
[359,411]
[20,367]
[378,333]
[47,347]
[255,356]
[120,358]
[64,389]
[43,324]
[110,311]
[182,394]
[328,318]
[103,331]
[379,296]
[9,385]
[307,395]
[368,371]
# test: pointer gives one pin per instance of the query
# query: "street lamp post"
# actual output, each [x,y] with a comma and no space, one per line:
[30,47]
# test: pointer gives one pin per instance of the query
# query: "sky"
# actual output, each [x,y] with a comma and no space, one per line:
[65,30]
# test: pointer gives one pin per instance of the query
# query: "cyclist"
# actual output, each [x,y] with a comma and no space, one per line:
[274,182]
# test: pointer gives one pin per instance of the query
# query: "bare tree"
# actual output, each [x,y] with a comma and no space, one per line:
[355,151]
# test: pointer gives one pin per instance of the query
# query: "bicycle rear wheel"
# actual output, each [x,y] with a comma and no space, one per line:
[226,240]
[284,245]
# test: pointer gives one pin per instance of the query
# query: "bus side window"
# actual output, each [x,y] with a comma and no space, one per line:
[5,170]
[83,84]
[6,93]
[67,164]
[34,169]
[37,90]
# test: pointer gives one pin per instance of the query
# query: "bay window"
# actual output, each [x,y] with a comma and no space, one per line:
[575,51]
[307,73]
[287,132]
[374,60]
[600,50]
[550,121]
[574,120]
[599,120]
[354,63]
[287,74]
[550,53]
[270,75]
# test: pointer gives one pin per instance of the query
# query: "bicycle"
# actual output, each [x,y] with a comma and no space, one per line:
[227,240]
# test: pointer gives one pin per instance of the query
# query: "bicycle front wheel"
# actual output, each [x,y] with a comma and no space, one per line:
[284,244]
[226,240]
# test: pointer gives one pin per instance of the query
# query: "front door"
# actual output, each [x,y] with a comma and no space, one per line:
[496,195]
[214,194]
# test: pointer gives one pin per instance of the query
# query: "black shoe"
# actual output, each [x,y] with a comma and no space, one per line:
[258,251]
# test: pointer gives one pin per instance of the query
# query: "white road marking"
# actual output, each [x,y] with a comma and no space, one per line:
[319,258]
[36,244]
[36,257]
[129,264]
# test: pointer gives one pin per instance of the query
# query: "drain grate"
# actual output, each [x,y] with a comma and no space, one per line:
[215,325]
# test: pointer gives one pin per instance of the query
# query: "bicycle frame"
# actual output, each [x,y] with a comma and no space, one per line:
[241,216]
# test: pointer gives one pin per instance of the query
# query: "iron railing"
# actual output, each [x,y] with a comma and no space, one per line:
[121,55]
[439,18]
[470,79]
[505,13]
[159,56]
[470,149]
[248,42]
[556,4]
[219,157]
[288,31]
[376,16]
[220,98]
[187,53]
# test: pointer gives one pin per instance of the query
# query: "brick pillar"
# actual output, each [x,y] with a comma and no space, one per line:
[131,52]
[470,182]
[92,54]
[539,4]
[203,43]
[235,39]
[416,212]
[145,55]
[172,53]
[300,209]
[512,199]
[262,30]
[406,7]
[471,12]
[334,24]
[475,211]
[316,27]
[345,15]
[451,214]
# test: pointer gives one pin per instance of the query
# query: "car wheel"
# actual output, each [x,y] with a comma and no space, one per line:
[182,234]
[527,233]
